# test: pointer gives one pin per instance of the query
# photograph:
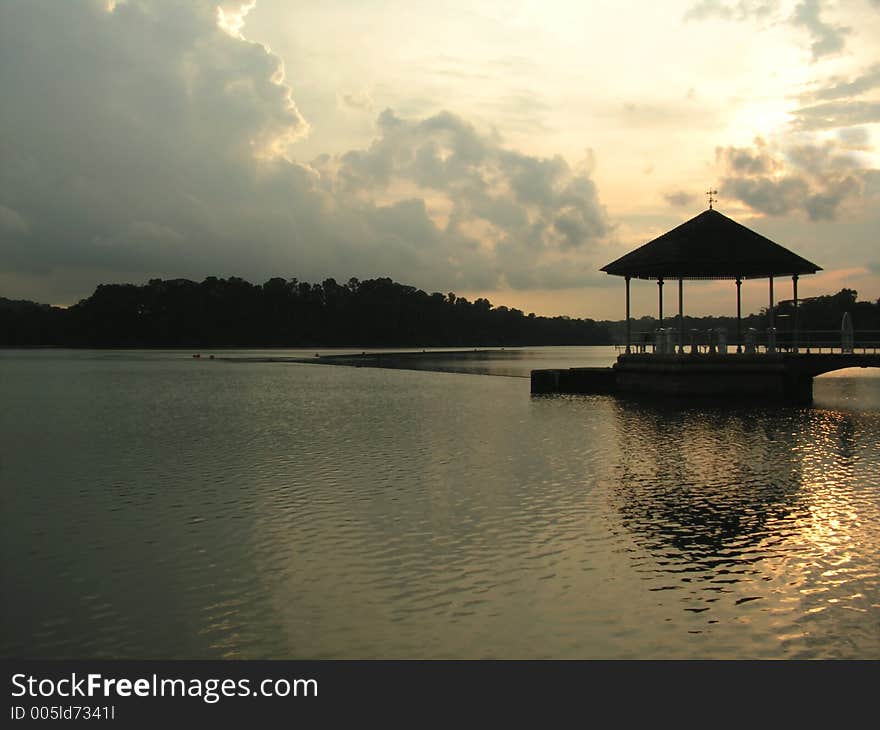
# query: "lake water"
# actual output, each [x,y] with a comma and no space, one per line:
[159,506]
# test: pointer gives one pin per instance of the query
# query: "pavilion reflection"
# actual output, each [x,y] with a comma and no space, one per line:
[706,489]
[713,497]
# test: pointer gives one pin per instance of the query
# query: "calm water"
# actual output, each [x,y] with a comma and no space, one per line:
[154,505]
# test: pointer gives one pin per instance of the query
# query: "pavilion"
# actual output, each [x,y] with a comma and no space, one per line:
[710,246]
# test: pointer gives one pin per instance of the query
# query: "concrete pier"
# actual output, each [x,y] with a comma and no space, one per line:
[779,377]
[728,376]
[575,380]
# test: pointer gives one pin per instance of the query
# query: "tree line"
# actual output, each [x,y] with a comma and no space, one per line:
[373,313]
[283,313]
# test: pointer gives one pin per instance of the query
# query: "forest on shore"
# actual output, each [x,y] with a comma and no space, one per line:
[373,313]
[283,313]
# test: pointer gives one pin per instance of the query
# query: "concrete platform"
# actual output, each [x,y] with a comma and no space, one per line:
[779,376]
[575,380]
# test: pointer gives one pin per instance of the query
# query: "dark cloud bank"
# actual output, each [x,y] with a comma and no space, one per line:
[143,138]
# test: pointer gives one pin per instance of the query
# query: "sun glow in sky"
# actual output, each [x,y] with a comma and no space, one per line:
[499,149]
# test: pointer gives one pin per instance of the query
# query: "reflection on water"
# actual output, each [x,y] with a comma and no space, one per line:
[738,506]
[695,484]
[157,506]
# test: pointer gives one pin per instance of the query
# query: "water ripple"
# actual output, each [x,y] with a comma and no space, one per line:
[169,509]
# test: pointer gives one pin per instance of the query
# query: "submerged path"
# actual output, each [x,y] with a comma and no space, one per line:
[448,361]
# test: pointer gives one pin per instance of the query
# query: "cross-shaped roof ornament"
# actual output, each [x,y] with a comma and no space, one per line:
[712,198]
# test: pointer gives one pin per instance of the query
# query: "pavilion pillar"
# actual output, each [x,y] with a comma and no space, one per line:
[660,305]
[770,311]
[739,329]
[681,315]
[794,336]
[628,334]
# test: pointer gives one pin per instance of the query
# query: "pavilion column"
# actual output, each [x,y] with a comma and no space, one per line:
[771,334]
[794,281]
[660,296]
[628,337]
[681,315]
[739,329]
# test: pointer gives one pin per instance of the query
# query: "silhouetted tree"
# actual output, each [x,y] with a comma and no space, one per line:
[376,312]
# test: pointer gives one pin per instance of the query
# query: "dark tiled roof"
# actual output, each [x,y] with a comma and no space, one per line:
[710,246]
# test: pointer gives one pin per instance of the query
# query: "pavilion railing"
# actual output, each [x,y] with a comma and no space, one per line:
[754,342]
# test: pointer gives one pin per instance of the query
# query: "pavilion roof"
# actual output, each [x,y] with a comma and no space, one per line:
[710,246]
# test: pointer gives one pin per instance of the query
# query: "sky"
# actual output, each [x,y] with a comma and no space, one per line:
[507,150]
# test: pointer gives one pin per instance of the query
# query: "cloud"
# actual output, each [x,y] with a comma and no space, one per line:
[680,198]
[827,38]
[742,10]
[530,216]
[146,138]
[838,88]
[872,183]
[836,103]
[817,179]
[855,138]
[526,198]
[231,15]
[147,111]
[835,114]
[357,100]
[750,161]
[12,222]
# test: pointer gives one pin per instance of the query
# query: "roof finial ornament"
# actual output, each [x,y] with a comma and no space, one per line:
[712,198]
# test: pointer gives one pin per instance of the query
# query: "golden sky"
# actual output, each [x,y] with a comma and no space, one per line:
[499,149]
